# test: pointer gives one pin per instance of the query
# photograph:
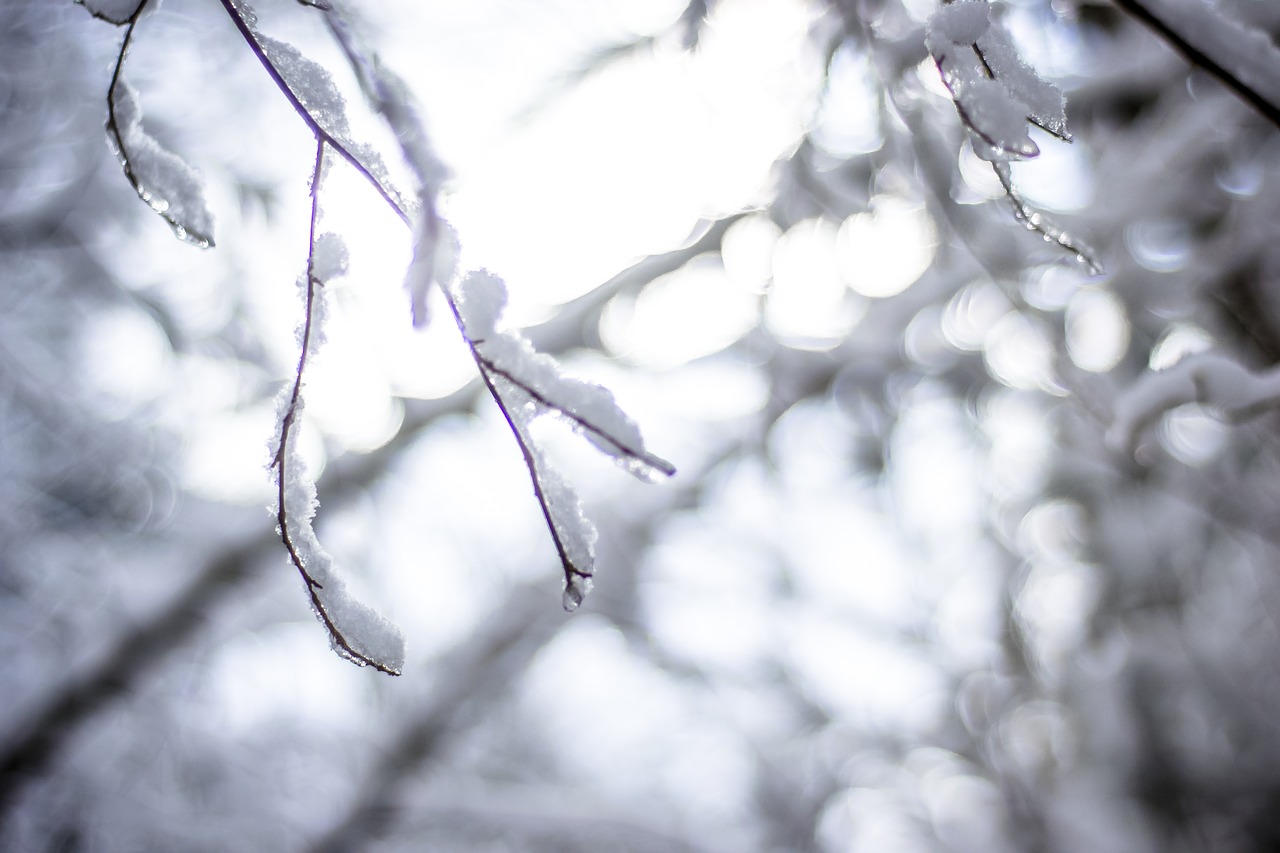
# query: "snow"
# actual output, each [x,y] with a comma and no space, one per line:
[998,118]
[392,98]
[434,250]
[961,23]
[998,97]
[481,300]
[356,631]
[317,96]
[589,408]
[310,84]
[117,11]
[573,531]
[162,179]
[435,259]
[531,384]
[1044,102]
[527,384]
[328,257]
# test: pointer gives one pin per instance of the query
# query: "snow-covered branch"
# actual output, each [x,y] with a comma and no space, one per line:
[312,94]
[998,98]
[356,631]
[525,385]
[522,383]
[162,179]
[996,93]
[1209,378]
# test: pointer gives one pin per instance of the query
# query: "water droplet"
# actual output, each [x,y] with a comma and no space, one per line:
[574,592]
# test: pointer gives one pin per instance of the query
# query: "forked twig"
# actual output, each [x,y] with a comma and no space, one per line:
[255,45]
[598,433]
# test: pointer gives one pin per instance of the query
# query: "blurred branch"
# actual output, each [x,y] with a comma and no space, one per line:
[1198,32]
[687,29]
[475,674]
[707,238]
[30,746]
[564,823]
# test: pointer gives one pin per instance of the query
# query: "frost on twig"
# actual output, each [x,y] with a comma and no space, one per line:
[999,97]
[525,385]
[1208,378]
[161,178]
[356,631]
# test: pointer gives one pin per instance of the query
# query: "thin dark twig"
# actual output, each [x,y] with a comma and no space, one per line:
[287,423]
[281,460]
[1064,137]
[1268,109]
[655,462]
[1036,222]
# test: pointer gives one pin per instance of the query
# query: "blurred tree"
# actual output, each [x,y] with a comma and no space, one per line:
[971,547]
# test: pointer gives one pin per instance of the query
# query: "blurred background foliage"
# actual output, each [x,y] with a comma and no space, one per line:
[901,597]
